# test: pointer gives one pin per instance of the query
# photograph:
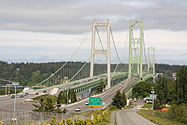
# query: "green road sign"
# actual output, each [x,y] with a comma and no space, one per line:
[95,101]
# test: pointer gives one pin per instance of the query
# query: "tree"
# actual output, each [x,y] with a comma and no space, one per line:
[165,90]
[60,98]
[119,100]
[142,89]
[44,105]
[100,88]
[181,85]
[49,105]
[40,107]
[72,96]
[156,104]
[124,100]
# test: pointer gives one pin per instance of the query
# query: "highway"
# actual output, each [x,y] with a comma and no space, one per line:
[6,103]
[130,117]
[106,96]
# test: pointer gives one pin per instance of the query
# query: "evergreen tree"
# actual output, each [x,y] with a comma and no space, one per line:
[181,86]
[124,100]
[119,100]
[60,98]
[49,105]
[162,90]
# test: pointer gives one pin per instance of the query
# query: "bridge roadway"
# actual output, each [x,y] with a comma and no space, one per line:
[6,103]
[106,96]
[81,85]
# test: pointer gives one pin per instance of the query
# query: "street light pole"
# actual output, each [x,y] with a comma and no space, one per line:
[14,101]
[14,115]
[153,92]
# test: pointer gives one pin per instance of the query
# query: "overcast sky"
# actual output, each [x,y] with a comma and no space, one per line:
[51,30]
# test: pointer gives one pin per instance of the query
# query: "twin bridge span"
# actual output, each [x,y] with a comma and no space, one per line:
[121,76]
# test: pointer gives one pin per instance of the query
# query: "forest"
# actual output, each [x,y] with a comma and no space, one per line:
[28,74]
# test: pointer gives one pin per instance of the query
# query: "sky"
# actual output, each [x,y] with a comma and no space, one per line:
[53,30]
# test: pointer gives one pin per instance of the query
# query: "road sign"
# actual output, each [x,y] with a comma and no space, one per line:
[95,101]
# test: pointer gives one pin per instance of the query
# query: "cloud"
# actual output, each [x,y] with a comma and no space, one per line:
[49,30]
[76,16]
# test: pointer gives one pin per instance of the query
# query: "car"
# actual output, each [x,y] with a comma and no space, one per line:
[77,109]
[37,93]
[26,94]
[13,96]
[21,96]
[44,91]
[86,103]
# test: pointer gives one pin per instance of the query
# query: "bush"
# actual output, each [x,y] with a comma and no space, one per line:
[69,122]
[178,113]
[79,122]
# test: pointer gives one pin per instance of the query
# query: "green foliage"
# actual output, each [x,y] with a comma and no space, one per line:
[149,114]
[12,91]
[37,77]
[53,121]
[119,100]
[102,86]
[46,103]
[79,122]
[142,89]
[181,85]
[69,122]
[163,90]
[156,104]
[147,106]
[58,110]
[167,69]
[179,113]
[33,73]
[172,92]
[62,97]
[64,110]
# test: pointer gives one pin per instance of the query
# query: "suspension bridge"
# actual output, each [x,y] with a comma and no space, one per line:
[90,74]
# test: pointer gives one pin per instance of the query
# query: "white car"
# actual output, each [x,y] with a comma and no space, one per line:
[77,109]
[86,103]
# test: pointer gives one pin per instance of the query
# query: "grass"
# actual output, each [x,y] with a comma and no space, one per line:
[103,123]
[156,119]
[128,107]
[147,106]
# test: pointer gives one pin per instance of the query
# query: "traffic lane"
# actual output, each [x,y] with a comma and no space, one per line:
[106,97]
[130,117]
[21,105]
[3,98]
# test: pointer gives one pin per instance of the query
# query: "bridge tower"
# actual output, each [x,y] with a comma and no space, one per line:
[105,51]
[151,60]
[136,46]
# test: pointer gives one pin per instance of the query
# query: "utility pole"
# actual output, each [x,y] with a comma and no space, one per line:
[153,92]
[14,108]
[105,51]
